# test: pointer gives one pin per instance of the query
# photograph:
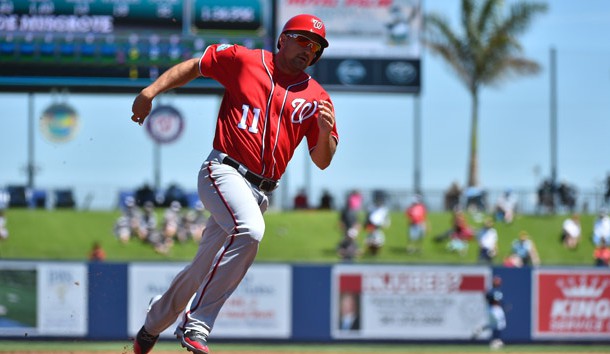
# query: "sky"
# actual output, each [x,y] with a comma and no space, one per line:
[376,150]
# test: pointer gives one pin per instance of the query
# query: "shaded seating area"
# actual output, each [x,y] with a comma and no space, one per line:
[20,196]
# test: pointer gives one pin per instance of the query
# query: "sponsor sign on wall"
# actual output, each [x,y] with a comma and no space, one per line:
[373,45]
[43,299]
[570,304]
[146,281]
[260,307]
[393,302]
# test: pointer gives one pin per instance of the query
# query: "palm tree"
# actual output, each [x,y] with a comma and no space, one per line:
[485,54]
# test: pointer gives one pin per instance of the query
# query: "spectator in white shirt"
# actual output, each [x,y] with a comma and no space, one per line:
[570,233]
[505,207]
[488,242]
[601,228]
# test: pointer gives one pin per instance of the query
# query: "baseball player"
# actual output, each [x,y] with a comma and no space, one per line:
[270,104]
[497,317]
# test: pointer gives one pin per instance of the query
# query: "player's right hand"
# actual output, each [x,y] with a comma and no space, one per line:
[141,108]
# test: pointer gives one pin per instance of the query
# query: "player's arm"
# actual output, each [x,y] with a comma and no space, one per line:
[326,146]
[176,76]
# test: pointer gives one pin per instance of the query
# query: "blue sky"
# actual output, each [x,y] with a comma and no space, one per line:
[376,130]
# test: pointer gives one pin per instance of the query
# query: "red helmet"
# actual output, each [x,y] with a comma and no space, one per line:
[308,23]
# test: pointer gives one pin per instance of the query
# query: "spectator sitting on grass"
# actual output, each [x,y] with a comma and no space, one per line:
[570,232]
[127,225]
[505,207]
[601,228]
[513,261]
[488,242]
[3,228]
[377,219]
[525,249]
[459,235]
[348,249]
[195,221]
[97,253]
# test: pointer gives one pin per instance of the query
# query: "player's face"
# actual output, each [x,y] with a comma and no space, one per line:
[299,50]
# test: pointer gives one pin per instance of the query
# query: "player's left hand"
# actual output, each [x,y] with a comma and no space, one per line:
[326,117]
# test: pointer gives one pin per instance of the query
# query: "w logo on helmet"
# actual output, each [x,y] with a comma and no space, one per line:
[317,24]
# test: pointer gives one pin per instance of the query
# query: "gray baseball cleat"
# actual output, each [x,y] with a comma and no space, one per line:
[195,342]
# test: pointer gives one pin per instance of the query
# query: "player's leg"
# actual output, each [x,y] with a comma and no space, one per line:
[238,211]
[164,312]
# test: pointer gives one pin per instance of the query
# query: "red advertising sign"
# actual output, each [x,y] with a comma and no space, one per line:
[571,303]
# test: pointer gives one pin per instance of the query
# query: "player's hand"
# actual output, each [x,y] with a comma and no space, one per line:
[141,108]
[326,117]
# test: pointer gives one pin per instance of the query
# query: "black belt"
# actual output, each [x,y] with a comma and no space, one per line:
[264,184]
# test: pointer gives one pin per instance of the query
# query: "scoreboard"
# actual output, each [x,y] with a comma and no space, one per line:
[119,45]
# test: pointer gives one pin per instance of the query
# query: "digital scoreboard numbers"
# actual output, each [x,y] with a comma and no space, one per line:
[118,45]
[239,15]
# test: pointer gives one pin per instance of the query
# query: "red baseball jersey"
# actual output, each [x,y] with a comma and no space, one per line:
[264,113]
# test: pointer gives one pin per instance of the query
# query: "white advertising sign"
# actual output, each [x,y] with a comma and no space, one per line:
[363,28]
[43,299]
[414,302]
[62,306]
[260,307]
[145,281]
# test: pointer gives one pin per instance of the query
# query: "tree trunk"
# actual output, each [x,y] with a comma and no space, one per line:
[473,163]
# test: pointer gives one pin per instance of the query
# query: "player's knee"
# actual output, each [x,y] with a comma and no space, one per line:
[253,230]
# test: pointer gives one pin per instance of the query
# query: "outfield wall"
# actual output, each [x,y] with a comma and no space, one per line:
[295,302]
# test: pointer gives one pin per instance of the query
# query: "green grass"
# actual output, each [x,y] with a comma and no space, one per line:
[293,236]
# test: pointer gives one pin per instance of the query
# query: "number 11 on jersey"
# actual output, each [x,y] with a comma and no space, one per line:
[245,109]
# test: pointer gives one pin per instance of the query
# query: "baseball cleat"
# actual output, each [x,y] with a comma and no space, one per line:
[144,342]
[195,342]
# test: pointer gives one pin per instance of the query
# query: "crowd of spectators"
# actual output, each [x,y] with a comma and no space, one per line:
[472,222]
[176,224]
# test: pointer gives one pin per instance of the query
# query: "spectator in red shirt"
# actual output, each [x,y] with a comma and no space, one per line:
[459,235]
[601,254]
[97,253]
[416,218]
[301,201]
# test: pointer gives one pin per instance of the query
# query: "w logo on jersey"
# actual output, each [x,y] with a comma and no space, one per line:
[302,110]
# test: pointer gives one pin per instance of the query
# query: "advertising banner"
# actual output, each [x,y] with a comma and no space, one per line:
[374,44]
[569,304]
[260,307]
[415,302]
[43,299]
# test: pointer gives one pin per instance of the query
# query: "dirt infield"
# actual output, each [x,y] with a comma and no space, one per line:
[123,347]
